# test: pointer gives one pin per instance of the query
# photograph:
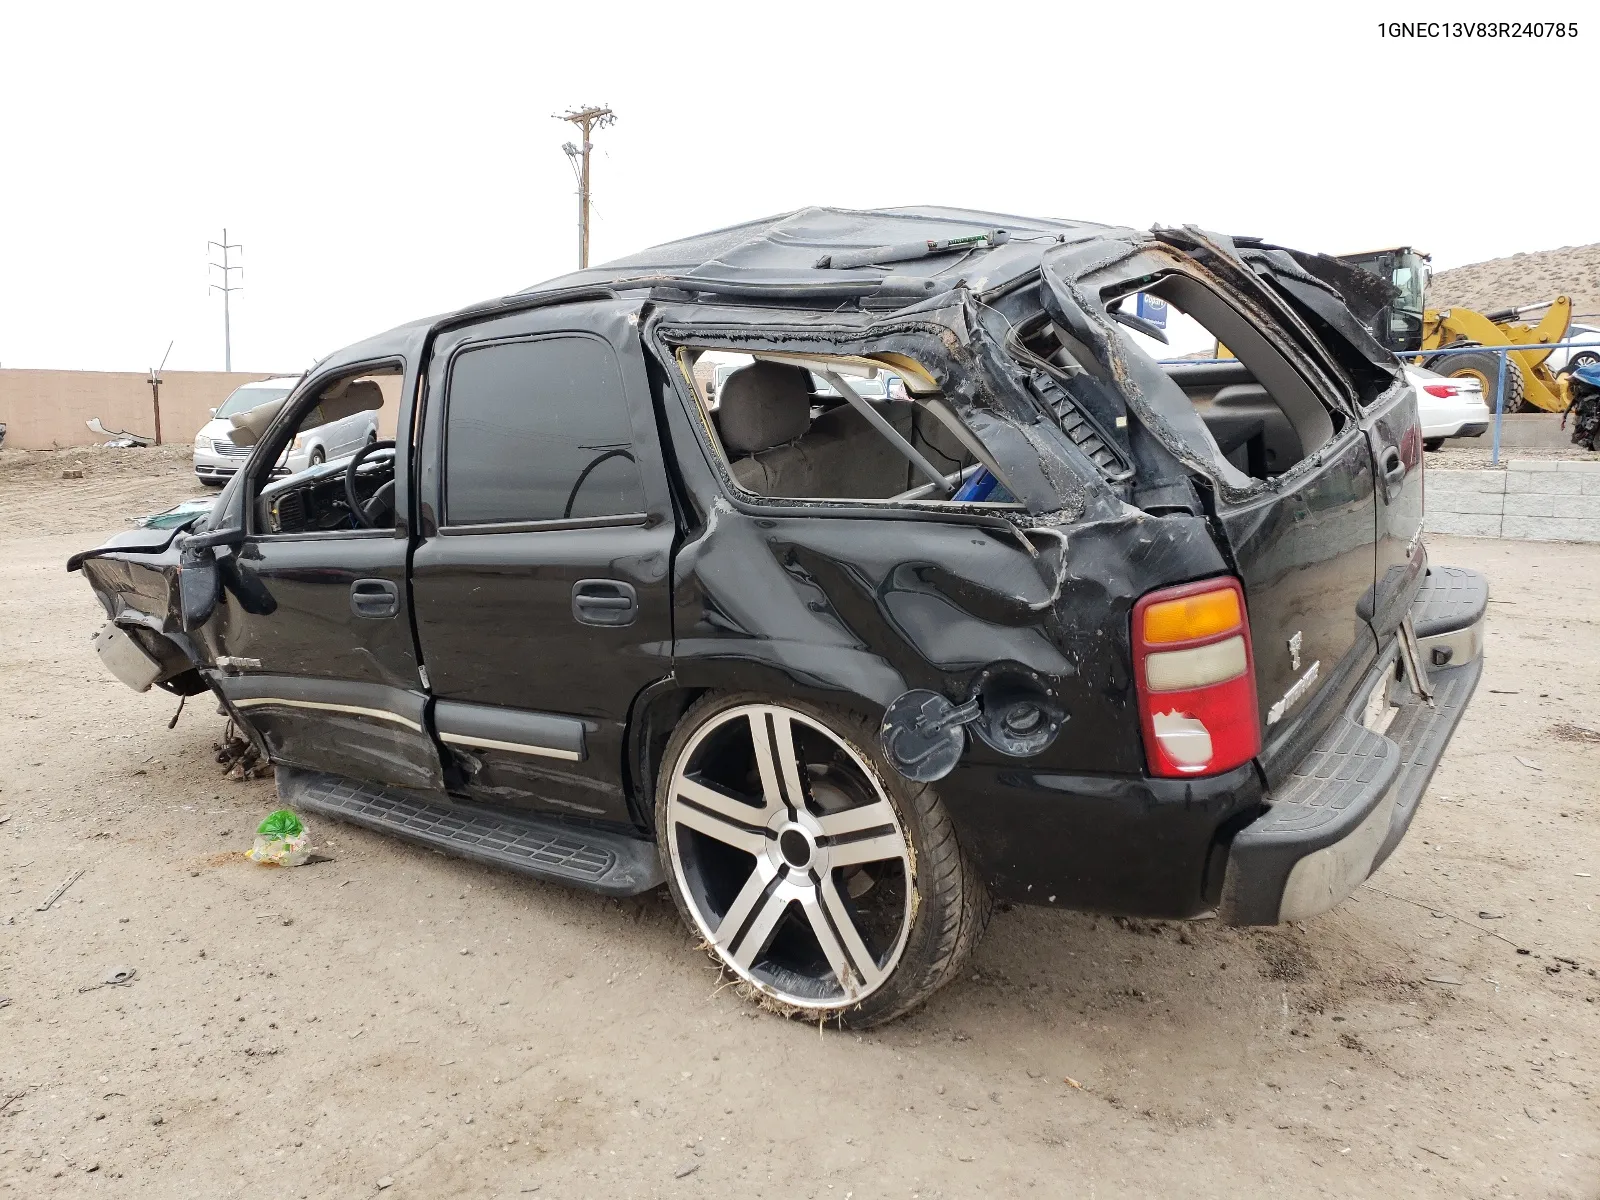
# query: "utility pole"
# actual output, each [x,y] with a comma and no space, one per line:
[227,289]
[155,387]
[588,120]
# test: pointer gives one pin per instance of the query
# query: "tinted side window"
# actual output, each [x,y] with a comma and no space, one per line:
[538,431]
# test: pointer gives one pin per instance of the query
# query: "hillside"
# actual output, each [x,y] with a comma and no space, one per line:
[1523,279]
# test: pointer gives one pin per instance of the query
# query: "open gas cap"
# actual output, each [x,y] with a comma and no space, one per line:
[922,734]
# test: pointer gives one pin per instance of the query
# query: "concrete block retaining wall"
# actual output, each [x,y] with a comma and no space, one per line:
[1522,431]
[1539,500]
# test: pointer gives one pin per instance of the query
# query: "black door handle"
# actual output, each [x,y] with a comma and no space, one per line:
[374,598]
[604,602]
[1392,469]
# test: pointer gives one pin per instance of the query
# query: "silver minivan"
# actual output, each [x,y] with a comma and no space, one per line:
[217,456]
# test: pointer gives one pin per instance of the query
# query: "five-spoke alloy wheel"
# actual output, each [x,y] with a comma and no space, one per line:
[802,866]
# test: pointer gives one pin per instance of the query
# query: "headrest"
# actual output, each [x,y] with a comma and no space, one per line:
[763,405]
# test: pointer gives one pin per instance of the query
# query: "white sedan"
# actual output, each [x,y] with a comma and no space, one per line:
[1585,355]
[1448,407]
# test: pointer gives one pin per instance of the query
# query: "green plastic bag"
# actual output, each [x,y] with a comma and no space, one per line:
[282,840]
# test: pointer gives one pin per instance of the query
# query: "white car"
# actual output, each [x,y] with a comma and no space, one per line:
[1448,407]
[217,457]
[885,386]
[1579,356]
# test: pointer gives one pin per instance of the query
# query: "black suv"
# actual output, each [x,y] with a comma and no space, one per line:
[1057,619]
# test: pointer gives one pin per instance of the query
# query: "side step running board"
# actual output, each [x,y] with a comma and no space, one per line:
[544,847]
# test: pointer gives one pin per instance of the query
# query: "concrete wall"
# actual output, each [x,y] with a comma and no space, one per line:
[1540,500]
[46,409]
[1521,431]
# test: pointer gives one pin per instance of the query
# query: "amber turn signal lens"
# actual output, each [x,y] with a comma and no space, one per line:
[1204,614]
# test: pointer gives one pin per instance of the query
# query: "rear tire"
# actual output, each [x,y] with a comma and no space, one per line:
[1584,358]
[852,903]
[1433,443]
[1485,368]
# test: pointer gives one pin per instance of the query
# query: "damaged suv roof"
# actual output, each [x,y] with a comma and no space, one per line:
[783,251]
[850,269]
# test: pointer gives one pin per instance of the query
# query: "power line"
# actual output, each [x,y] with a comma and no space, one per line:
[227,288]
[588,120]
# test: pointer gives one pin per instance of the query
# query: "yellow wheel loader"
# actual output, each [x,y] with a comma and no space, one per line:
[1411,329]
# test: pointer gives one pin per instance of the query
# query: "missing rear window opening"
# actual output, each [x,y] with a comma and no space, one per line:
[786,430]
[1263,413]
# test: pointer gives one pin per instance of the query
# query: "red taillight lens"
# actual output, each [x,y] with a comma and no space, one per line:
[1195,674]
[1442,390]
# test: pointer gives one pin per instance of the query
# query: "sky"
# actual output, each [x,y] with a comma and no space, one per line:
[383,162]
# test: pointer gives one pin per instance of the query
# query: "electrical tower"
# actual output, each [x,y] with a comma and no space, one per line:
[227,289]
[588,120]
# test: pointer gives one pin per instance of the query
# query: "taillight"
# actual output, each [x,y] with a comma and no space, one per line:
[1195,675]
[1443,390]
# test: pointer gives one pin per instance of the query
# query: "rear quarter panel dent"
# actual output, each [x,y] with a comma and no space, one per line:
[858,610]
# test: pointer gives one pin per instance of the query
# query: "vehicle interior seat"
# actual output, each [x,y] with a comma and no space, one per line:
[1250,427]
[775,448]
[765,408]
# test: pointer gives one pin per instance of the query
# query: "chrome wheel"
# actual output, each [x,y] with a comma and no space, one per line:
[789,855]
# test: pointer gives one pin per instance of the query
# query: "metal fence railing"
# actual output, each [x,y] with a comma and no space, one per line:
[1500,382]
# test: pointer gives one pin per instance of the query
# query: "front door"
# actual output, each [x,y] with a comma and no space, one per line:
[541,582]
[313,634]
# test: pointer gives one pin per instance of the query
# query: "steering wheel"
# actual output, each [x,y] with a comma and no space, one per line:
[382,498]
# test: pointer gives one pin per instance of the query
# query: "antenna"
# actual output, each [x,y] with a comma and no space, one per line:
[227,288]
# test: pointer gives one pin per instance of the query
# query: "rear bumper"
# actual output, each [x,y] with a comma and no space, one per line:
[1455,429]
[1346,807]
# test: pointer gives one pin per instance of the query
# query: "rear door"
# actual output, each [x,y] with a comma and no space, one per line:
[1305,554]
[351,431]
[541,582]
[1304,543]
[1394,438]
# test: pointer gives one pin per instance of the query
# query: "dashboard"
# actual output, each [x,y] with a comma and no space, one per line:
[314,500]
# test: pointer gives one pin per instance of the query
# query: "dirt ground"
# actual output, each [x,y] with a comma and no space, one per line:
[398,1021]
[1474,454]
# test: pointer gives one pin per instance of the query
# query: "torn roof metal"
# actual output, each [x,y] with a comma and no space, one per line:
[783,251]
